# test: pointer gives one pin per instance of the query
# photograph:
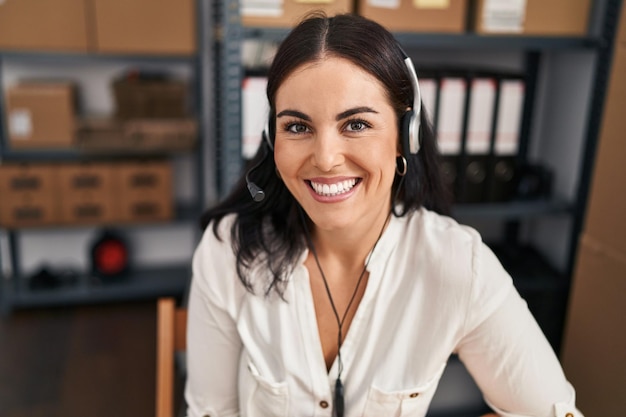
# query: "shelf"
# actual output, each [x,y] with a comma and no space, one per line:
[142,284]
[530,271]
[71,155]
[544,289]
[51,155]
[456,41]
[514,210]
[183,212]
[48,56]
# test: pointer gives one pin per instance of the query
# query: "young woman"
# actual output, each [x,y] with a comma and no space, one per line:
[339,287]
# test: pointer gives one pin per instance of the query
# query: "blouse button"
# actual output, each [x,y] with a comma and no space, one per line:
[414,394]
[569,415]
[324,404]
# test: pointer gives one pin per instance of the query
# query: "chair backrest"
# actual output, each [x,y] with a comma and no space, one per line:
[171,337]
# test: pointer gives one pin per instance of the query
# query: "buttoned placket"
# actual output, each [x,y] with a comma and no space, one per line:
[311,342]
[323,383]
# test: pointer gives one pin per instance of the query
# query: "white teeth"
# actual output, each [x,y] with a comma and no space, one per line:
[328,190]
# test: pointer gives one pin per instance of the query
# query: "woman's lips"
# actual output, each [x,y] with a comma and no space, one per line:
[334,188]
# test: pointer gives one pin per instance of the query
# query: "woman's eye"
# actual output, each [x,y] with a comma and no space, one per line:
[356,126]
[297,128]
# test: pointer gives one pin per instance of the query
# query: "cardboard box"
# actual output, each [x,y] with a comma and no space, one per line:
[29,194]
[532,17]
[139,136]
[161,135]
[86,193]
[41,115]
[594,347]
[145,26]
[417,16]
[137,98]
[607,199]
[58,25]
[288,13]
[621,31]
[595,342]
[144,191]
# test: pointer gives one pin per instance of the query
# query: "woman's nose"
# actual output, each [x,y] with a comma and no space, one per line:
[328,152]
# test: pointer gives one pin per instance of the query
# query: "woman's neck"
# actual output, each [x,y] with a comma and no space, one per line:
[352,246]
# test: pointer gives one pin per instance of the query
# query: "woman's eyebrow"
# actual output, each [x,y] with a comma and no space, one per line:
[340,116]
[294,113]
[352,112]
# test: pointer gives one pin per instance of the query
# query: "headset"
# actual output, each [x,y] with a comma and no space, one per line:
[410,121]
[409,126]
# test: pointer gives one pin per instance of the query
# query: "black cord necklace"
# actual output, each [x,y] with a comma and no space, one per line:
[338,408]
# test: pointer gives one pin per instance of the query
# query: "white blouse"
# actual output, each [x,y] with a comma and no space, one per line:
[434,289]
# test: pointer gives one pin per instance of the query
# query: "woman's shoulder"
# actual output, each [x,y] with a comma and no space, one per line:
[432,228]
[214,264]
[218,232]
[458,254]
[441,246]
[215,249]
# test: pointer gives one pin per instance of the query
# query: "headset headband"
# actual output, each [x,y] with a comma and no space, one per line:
[413,133]
[414,123]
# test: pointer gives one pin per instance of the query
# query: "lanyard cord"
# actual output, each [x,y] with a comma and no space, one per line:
[339,400]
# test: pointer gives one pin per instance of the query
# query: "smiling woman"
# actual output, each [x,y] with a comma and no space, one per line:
[343,288]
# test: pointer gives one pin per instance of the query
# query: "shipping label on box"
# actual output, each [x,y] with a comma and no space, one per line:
[431,4]
[503,16]
[533,17]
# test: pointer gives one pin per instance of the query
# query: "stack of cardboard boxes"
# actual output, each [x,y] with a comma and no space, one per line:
[43,115]
[97,193]
[528,17]
[149,118]
[100,26]
[594,351]
[169,26]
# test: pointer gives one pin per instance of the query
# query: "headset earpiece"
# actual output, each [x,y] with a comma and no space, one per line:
[269,131]
[267,136]
[405,132]
[410,121]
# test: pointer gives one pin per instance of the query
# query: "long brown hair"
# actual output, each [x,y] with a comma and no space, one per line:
[270,234]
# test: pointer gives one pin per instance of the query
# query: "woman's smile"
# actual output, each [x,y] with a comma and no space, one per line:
[332,188]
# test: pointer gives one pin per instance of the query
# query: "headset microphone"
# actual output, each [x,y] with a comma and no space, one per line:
[257,192]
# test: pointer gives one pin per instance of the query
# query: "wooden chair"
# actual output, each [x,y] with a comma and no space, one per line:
[171,339]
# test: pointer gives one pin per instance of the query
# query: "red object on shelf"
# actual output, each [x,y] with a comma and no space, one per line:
[109,255]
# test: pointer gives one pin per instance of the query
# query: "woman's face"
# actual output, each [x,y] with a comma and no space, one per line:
[336,143]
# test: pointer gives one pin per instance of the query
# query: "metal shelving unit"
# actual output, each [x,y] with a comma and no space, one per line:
[141,282]
[228,78]
[466,41]
[598,43]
